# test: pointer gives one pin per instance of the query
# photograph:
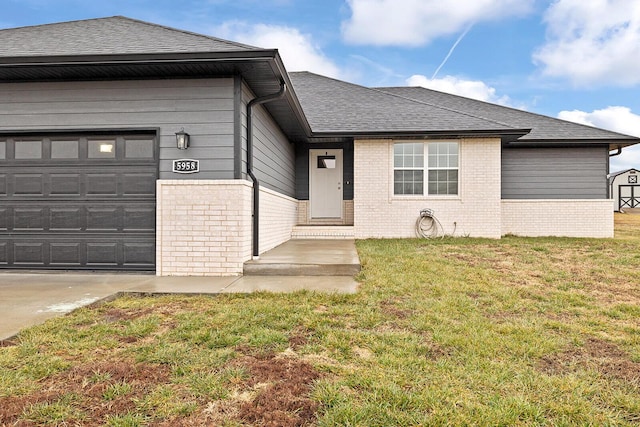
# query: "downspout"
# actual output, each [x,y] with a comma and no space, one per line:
[617,153]
[610,184]
[256,183]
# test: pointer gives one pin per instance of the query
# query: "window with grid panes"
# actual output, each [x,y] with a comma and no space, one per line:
[440,168]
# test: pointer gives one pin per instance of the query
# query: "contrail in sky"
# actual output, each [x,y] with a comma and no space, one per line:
[451,50]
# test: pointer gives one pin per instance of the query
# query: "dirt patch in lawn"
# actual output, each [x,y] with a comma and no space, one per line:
[118,314]
[90,390]
[276,393]
[597,354]
[282,398]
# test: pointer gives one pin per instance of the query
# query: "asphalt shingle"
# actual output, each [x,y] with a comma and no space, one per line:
[107,36]
[543,128]
[334,106]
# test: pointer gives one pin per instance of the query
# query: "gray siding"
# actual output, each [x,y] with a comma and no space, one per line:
[273,154]
[204,107]
[555,173]
[302,168]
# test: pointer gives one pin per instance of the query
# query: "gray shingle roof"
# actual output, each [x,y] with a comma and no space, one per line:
[543,128]
[107,36]
[334,106]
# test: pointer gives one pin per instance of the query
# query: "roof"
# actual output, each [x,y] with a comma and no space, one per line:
[107,36]
[319,108]
[614,174]
[125,48]
[337,107]
[543,128]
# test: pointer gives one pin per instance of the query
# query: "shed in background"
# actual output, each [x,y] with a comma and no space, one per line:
[624,189]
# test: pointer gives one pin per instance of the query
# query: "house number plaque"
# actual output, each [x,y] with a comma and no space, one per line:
[186,166]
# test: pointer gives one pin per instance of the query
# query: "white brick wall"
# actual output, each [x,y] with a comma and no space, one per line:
[203,227]
[569,218]
[476,211]
[278,216]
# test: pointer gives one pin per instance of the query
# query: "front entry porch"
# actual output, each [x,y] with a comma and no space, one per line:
[307,257]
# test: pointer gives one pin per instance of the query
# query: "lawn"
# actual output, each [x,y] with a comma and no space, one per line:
[456,332]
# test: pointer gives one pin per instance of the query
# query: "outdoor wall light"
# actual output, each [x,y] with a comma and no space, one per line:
[182,140]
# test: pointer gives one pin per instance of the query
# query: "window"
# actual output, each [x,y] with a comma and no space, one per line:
[326,162]
[64,149]
[28,149]
[441,168]
[102,149]
[408,165]
[139,148]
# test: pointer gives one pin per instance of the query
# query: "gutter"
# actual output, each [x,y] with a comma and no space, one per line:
[137,58]
[617,153]
[256,183]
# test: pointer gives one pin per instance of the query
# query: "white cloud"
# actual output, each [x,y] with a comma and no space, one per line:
[417,22]
[475,89]
[630,158]
[617,119]
[592,42]
[298,51]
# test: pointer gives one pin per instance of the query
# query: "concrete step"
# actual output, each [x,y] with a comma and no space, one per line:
[323,232]
[252,268]
[307,258]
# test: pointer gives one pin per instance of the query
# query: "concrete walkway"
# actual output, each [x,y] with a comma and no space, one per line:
[29,298]
[307,257]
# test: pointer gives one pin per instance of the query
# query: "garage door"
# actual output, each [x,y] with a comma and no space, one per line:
[78,201]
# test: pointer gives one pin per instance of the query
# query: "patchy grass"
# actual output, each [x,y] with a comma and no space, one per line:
[527,332]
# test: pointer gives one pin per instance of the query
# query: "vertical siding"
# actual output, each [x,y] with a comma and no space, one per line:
[273,154]
[204,107]
[555,173]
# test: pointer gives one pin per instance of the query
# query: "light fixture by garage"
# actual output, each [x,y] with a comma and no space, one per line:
[182,139]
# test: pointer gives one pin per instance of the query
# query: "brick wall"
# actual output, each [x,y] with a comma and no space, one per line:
[347,215]
[476,211]
[569,218]
[278,216]
[203,227]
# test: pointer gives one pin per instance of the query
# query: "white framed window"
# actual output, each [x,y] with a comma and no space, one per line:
[438,175]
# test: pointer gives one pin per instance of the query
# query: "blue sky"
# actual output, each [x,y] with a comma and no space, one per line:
[573,59]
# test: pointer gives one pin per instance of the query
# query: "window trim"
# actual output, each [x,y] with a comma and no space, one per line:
[425,170]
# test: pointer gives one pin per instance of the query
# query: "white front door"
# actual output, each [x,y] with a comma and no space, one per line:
[325,183]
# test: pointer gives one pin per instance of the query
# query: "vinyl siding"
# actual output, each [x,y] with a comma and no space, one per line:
[203,107]
[554,173]
[273,154]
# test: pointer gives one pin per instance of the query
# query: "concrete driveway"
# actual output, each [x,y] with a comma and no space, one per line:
[28,299]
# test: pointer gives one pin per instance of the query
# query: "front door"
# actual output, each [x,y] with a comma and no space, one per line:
[325,182]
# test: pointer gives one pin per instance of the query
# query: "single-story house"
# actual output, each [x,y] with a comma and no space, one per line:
[624,189]
[126,145]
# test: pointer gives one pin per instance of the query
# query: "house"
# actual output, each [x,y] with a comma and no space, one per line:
[624,189]
[97,173]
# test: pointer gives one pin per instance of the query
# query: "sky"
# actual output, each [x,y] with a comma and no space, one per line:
[577,60]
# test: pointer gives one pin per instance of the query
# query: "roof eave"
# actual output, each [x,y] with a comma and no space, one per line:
[290,94]
[241,57]
[110,59]
[505,134]
[613,143]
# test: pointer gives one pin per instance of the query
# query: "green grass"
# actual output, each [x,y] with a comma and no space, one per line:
[455,332]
